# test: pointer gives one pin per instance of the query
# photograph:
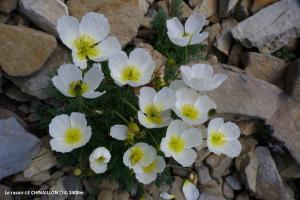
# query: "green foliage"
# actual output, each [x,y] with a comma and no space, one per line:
[175,8]
[285,54]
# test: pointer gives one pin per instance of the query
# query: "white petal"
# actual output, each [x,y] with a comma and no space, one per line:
[87,133]
[230,130]
[126,158]
[214,125]
[82,63]
[160,164]
[190,191]
[149,156]
[107,48]
[217,80]
[67,28]
[145,178]
[100,152]
[144,121]
[141,58]
[94,77]
[117,62]
[98,168]
[95,25]
[195,23]
[92,94]
[174,26]
[166,196]
[177,84]
[59,145]
[186,96]
[186,158]
[69,73]
[61,86]
[202,71]
[186,73]
[119,132]
[164,147]
[198,38]
[176,127]
[192,137]
[178,40]
[59,125]
[146,97]
[78,120]
[165,97]
[232,148]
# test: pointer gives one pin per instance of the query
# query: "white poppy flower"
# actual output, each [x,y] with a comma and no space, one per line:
[222,138]
[167,196]
[148,173]
[190,190]
[139,155]
[191,107]
[88,39]
[190,33]
[70,82]
[99,159]
[200,77]
[155,107]
[177,84]
[122,132]
[69,132]
[135,70]
[179,142]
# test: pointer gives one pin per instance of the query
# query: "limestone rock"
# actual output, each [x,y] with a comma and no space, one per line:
[6,6]
[73,183]
[233,182]
[16,94]
[58,186]
[125,16]
[17,147]
[225,6]
[44,13]
[176,188]
[207,8]
[203,175]
[227,191]
[105,194]
[259,4]
[234,57]
[121,195]
[23,50]
[271,28]
[293,80]
[4,188]
[4,114]
[207,196]
[265,67]
[213,31]
[36,84]
[107,184]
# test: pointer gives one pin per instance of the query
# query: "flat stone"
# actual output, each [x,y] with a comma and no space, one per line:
[107,184]
[24,51]
[293,80]
[203,175]
[155,191]
[58,187]
[271,28]
[233,182]
[207,8]
[105,194]
[4,188]
[118,12]
[17,147]
[214,31]
[265,67]
[269,183]
[259,4]
[36,84]
[247,127]
[44,13]
[6,6]
[16,94]
[234,57]
[225,7]
[121,195]
[4,114]
[73,183]
[208,196]
[227,191]
[176,188]
[39,178]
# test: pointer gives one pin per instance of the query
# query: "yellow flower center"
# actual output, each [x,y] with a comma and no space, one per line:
[190,112]
[73,135]
[150,168]
[217,139]
[86,47]
[153,114]
[101,159]
[176,144]
[131,73]
[137,154]
[77,88]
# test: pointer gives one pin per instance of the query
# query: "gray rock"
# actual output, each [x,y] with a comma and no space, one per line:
[37,83]
[73,183]
[233,182]
[4,114]
[269,183]
[203,175]
[59,186]
[207,196]
[271,28]
[225,6]
[3,189]
[6,6]
[293,80]
[176,188]
[44,13]
[207,8]
[227,191]
[17,147]
[234,57]
[16,94]
[121,195]
[105,194]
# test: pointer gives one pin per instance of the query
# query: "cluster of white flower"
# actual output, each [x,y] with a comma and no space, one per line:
[186,98]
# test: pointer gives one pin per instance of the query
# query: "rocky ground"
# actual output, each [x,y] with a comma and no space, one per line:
[255,42]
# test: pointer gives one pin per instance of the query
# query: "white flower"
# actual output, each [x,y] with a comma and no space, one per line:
[167,196]
[190,33]
[155,107]
[179,141]
[177,84]
[191,107]
[190,191]
[148,173]
[99,159]
[122,132]
[87,39]
[70,82]
[69,132]
[135,70]
[200,77]
[222,138]
[139,155]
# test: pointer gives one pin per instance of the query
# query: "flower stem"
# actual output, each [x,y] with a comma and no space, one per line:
[186,55]
[154,140]
[130,105]
[121,116]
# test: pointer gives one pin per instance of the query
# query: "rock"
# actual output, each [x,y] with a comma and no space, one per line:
[213,31]
[225,6]
[176,188]
[224,40]
[60,188]
[247,127]
[155,191]
[201,155]
[242,196]
[24,51]
[6,6]
[227,191]
[185,9]
[44,13]
[265,67]
[233,182]
[105,195]
[16,94]
[203,175]
[121,195]
[107,184]
[292,171]
[269,183]
[259,4]
[17,147]
[207,196]
[73,183]
[36,84]
[4,114]
[4,18]
[3,189]
[235,55]
[212,187]
[207,8]
[40,178]
[218,164]
[271,28]
[119,12]
[242,9]
[43,161]
[293,80]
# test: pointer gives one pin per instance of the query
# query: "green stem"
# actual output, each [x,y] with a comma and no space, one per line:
[121,116]
[154,140]
[186,55]
[130,105]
